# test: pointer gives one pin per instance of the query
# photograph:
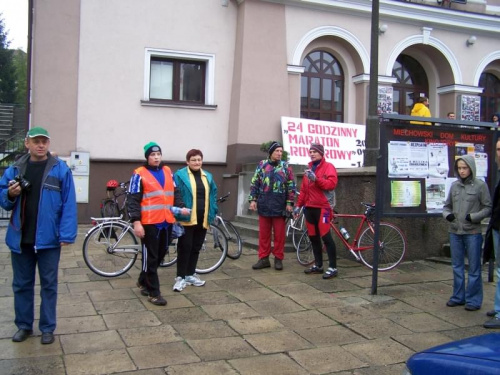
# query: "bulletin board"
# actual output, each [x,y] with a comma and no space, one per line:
[417,163]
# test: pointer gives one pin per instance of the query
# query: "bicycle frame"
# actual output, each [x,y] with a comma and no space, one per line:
[123,248]
[353,248]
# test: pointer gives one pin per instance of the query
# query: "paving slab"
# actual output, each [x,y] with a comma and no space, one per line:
[32,347]
[131,320]
[183,315]
[305,319]
[149,335]
[222,348]
[330,335]
[275,306]
[205,330]
[276,364]
[256,324]
[230,311]
[52,365]
[91,342]
[255,294]
[377,328]
[97,363]
[212,298]
[204,368]
[379,352]
[275,342]
[327,360]
[162,355]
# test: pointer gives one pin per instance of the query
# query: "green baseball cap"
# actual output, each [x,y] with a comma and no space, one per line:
[37,132]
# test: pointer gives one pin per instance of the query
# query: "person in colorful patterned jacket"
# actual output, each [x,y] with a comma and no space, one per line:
[152,203]
[272,193]
[318,198]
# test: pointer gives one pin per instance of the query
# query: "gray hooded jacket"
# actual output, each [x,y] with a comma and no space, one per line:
[471,197]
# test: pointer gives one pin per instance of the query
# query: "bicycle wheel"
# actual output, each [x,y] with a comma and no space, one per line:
[171,255]
[304,249]
[110,208]
[392,246]
[234,242]
[110,249]
[213,252]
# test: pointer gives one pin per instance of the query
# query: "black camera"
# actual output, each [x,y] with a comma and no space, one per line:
[25,184]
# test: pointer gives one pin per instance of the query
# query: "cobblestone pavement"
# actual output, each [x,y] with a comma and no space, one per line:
[241,322]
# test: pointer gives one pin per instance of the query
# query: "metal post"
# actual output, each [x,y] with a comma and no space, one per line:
[372,123]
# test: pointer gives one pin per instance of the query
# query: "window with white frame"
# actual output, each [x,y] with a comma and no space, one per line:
[183,78]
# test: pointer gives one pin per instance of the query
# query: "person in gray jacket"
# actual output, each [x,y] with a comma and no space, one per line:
[467,203]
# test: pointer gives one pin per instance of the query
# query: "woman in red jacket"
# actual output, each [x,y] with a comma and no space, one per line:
[317,196]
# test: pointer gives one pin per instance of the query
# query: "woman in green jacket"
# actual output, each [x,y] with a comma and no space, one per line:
[199,193]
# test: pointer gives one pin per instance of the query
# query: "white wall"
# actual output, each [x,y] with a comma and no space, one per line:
[113,38]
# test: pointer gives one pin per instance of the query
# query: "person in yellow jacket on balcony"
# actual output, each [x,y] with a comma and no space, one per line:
[152,203]
[421,109]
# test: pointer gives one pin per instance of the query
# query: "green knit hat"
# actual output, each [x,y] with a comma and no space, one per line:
[151,147]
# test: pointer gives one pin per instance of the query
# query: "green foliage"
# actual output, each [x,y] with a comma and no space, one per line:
[20,62]
[7,70]
[264,147]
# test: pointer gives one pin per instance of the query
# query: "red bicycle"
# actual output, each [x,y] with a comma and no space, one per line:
[392,242]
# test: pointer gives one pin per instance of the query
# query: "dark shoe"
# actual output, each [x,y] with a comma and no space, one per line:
[330,272]
[493,323]
[491,313]
[278,264]
[47,338]
[262,263]
[158,301]
[142,288]
[313,269]
[451,303]
[471,308]
[22,335]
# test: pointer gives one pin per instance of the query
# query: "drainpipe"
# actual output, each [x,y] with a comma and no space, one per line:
[28,58]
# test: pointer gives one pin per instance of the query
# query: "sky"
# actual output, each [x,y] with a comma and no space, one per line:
[15,16]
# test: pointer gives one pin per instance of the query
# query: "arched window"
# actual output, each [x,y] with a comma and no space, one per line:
[322,88]
[411,83]
[490,98]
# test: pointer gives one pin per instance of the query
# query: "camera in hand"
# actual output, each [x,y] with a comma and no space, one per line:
[25,184]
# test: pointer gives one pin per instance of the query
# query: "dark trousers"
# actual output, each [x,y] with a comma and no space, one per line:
[154,247]
[188,249]
[318,228]
[23,284]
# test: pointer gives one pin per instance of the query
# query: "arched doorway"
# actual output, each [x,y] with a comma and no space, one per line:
[411,82]
[490,97]
[322,88]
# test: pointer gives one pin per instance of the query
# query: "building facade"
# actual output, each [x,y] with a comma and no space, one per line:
[217,75]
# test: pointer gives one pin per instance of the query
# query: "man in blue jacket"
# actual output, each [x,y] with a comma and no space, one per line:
[39,190]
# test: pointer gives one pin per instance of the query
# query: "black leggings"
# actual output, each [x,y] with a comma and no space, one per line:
[313,216]
[188,249]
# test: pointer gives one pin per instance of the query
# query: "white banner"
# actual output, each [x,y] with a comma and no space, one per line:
[344,143]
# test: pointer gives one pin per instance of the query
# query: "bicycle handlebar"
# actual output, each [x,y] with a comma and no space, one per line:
[224,198]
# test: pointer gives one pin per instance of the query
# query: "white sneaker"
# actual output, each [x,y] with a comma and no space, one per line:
[180,284]
[194,280]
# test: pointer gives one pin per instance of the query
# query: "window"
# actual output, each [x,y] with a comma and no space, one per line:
[322,88]
[411,82]
[490,97]
[179,78]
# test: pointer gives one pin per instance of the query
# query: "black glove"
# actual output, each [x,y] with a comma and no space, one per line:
[468,218]
[450,217]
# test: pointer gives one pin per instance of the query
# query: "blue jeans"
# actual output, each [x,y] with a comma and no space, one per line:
[470,245]
[23,285]
[496,244]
